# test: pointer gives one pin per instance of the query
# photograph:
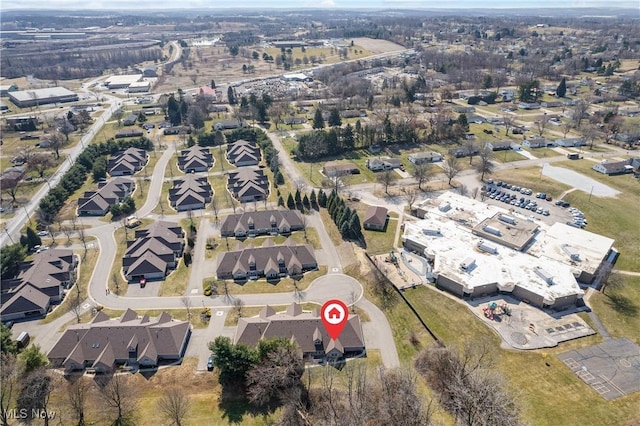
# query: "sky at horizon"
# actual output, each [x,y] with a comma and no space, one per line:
[122,5]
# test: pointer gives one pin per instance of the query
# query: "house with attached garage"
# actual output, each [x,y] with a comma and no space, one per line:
[269,260]
[243,153]
[190,193]
[98,203]
[336,169]
[40,283]
[127,162]
[614,167]
[425,157]
[248,184]
[570,142]
[306,330]
[154,252]
[251,224]
[375,218]
[104,344]
[195,159]
[379,164]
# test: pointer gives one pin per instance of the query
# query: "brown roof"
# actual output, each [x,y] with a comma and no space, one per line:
[376,216]
[108,341]
[262,221]
[304,327]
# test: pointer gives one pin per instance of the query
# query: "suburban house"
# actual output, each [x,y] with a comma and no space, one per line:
[176,130]
[248,184]
[375,218]
[130,120]
[97,203]
[464,151]
[425,157]
[154,252]
[535,143]
[335,169]
[243,153]
[250,224]
[40,283]
[498,146]
[217,108]
[127,162]
[529,105]
[569,142]
[378,164]
[614,168]
[353,113]
[306,330]
[269,260]
[290,121]
[12,174]
[132,341]
[208,92]
[190,193]
[195,159]
[229,124]
[128,133]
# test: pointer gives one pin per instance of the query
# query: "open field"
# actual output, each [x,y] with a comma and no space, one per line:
[540,383]
[618,308]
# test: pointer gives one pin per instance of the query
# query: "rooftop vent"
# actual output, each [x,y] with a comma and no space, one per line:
[492,230]
[547,277]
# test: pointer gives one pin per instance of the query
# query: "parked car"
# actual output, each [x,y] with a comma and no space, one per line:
[210,363]
[43,234]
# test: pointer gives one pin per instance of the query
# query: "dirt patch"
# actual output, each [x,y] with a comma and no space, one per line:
[377,46]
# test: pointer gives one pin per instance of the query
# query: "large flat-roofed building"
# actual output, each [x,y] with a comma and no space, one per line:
[122,81]
[505,229]
[585,251]
[533,262]
[50,95]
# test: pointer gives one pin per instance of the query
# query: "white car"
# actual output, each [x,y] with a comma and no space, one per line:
[43,234]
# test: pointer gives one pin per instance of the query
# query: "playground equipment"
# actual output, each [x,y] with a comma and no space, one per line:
[392,258]
[492,310]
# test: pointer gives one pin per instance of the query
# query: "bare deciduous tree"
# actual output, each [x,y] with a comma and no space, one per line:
[35,393]
[75,304]
[542,124]
[507,121]
[78,394]
[120,397]
[10,382]
[385,178]
[238,304]
[186,302]
[452,167]
[486,165]
[422,173]
[174,405]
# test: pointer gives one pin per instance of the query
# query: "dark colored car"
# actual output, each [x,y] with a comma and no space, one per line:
[210,363]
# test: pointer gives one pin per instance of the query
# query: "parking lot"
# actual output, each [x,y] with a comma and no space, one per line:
[527,202]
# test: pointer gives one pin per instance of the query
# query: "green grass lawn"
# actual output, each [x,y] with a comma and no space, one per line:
[619,307]
[508,156]
[539,386]
[611,217]
[542,152]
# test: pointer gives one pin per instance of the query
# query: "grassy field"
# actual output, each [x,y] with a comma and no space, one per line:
[613,218]
[542,152]
[618,308]
[537,384]
[508,156]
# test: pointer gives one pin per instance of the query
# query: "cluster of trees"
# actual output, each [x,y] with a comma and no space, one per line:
[489,98]
[346,220]
[299,202]
[270,376]
[321,143]
[125,208]
[53,63]
[73,179]
[466,385]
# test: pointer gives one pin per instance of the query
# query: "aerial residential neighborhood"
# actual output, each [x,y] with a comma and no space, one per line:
[323,216]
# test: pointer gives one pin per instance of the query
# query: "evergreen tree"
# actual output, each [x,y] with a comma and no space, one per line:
[290,203]
[213,84]
[298,199]
[313,199]
[32,239]
[347,137]
[561,91]
[318,121]
[462,121]
[344,229]
[305,202]
[231,96]
[334,118]
[331,204]
[280,201]
[322,198]
[355,227]
[279,178]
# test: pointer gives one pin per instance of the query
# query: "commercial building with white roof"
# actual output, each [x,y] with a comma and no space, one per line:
[122,81]
[49,95]
[544,273]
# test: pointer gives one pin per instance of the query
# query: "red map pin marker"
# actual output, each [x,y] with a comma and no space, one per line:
[334,314]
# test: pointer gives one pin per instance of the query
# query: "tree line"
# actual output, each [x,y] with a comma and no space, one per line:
[76,176]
